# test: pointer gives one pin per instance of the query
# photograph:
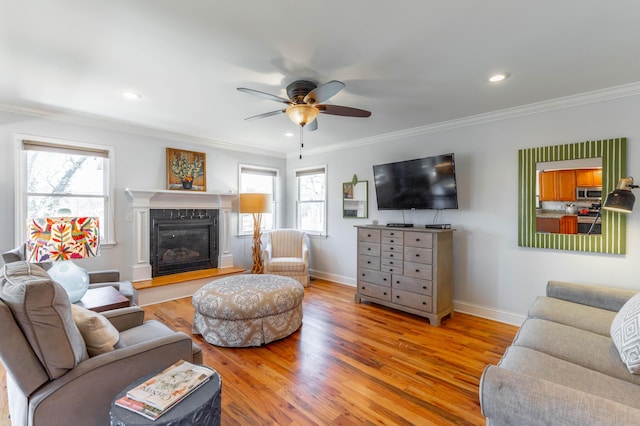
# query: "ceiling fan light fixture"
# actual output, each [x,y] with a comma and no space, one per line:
[496,78]
[302,114]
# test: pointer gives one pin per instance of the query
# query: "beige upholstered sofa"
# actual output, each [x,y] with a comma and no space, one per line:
[287,253]
[64,366]
[574,361]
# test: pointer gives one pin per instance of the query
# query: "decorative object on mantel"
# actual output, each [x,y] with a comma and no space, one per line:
[621,199]
[60,239]
[186,170]
[256,204]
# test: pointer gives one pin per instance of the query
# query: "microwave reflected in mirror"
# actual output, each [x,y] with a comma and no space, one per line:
[569,196]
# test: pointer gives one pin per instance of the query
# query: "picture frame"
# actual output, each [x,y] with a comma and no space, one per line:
[186,170]
[347,190]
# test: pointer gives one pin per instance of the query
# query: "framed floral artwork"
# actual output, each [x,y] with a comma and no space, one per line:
[186,170]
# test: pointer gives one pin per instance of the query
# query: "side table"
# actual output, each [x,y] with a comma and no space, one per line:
[201,408]
[103,299]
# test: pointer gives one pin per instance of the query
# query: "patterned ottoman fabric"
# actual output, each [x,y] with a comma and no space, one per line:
[248,310]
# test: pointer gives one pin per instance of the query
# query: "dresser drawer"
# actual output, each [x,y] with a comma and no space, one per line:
[392,269]
[417,270]
[414,285]
[373,290]
[369,262]
[418,239]
[375,277]
[411,300]
[391,248]
[392,240]
[369,249]
[395,255]
[388,233]
[369,235]
[418,255]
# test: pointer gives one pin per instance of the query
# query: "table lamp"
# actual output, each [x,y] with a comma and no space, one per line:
[256,204]
[60,239]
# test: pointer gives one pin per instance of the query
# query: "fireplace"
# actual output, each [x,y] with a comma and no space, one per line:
[183,240]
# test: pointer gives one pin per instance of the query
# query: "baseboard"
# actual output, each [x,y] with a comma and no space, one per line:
[340,279]
[492,314]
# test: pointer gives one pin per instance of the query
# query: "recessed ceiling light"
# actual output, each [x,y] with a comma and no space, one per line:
[131,95]
[289,134]
[498,77]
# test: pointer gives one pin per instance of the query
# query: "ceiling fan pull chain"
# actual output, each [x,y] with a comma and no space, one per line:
[301,142]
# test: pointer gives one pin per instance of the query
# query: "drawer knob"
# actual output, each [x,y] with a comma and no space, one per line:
[369,248]
[384,279]
[363,287]
[397,297]
[363,274]
[424,287]
[417,239]
[390,255]
[369,262]
[368,235]
[417,270]
[390,248]
[397,282]
[385,293]
[417,255]
[391,241]
[391,263]
[424,303]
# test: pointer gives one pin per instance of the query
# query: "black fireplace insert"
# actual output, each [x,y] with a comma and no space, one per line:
[183,240]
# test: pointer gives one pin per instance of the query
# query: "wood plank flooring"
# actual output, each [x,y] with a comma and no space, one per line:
[352,364]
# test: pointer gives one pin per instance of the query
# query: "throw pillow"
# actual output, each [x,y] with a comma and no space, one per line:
[625,332]
[99,334]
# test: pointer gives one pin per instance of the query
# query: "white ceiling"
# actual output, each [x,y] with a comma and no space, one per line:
[412,63]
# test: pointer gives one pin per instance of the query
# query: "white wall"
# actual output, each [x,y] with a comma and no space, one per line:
[493,276]
[139,164]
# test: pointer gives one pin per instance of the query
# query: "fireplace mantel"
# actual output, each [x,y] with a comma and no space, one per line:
[142,200]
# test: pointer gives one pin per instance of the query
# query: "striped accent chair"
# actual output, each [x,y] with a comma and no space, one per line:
[287,253]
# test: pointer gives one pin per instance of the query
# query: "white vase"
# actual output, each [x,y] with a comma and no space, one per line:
[71,277]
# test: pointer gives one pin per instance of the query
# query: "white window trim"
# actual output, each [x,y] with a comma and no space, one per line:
[20,199]
[303,170]
[275,198]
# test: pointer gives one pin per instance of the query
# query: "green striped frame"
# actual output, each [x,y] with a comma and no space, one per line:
[613,239]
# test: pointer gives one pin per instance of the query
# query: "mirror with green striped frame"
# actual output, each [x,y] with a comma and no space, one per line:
[613,237]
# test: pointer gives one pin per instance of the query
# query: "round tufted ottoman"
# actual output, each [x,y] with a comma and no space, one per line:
[247,310]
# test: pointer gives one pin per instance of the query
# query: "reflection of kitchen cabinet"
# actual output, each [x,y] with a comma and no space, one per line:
[548,224]
[558,185]
[569,224]
[589,177]
[557,225]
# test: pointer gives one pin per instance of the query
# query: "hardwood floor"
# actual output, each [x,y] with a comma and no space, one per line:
[352,364]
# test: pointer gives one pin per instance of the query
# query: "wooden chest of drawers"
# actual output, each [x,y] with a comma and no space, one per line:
[409,269]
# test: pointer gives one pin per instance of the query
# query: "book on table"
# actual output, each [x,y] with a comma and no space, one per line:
[155,396]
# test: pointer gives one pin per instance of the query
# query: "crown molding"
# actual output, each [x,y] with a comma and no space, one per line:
[73,117]
[595,96]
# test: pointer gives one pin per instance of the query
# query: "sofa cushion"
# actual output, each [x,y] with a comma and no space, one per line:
[589,350]
[576,315]
[625,333]
[99,335]
[551,369]
[42,310]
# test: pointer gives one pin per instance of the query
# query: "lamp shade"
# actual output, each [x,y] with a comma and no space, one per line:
[621,199]
[58,239]
[255,203]
[302,114]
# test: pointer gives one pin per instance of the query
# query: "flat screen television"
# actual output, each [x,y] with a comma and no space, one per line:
[423,183]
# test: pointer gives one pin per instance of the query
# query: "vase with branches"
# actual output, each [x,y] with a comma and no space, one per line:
[185,169]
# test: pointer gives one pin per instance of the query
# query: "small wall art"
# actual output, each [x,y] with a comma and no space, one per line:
[186,170]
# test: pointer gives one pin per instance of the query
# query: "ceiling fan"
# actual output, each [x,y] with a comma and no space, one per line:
[305,102]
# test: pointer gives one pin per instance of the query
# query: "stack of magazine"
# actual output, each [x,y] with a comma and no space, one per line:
[157,395]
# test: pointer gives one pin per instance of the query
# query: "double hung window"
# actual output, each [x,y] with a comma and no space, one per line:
[255,179]
[311,204]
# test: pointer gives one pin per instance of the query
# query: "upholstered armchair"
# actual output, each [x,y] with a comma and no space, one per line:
[287,253]
[65,364]
[110,277]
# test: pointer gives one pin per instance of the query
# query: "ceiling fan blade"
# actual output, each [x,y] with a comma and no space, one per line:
[264,95]
[313,126]
[266,114]
[323,92]
[343,110]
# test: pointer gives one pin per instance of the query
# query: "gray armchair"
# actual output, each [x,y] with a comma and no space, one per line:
[110,277]
[51,379]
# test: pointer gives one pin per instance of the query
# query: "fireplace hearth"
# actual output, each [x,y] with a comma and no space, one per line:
[183,240]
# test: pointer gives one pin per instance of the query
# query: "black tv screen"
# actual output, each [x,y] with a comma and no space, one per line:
[424,183]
